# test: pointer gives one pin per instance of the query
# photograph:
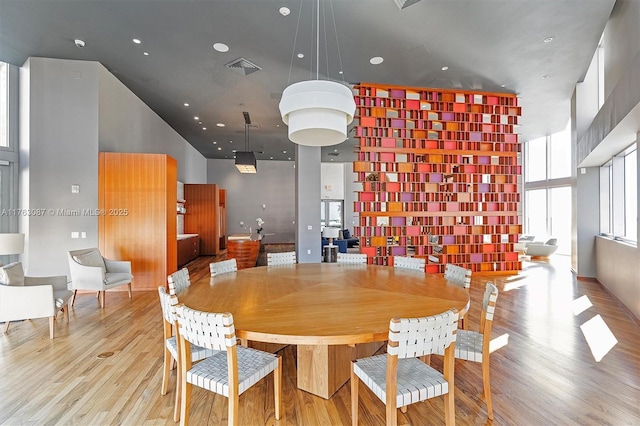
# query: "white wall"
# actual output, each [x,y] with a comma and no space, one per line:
[332,181]
[618,269]
[70,110]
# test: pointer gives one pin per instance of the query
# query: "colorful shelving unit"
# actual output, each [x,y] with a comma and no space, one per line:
[440,177]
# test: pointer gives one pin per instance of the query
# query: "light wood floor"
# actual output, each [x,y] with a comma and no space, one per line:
[544,375]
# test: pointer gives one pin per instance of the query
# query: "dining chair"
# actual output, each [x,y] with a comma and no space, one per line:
[284,258]
[171,350]
[459,276]
[178,281]
[352,258]
[231,371]
[406,262]
[475,345]
[399,377]
[223,267]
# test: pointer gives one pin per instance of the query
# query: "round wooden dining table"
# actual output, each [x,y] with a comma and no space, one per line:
[333,312]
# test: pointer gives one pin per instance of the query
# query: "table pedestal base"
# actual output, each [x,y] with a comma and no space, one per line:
[323,369]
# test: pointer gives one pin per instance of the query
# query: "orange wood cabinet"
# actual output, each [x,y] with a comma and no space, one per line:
[203,216]
[137,199]
[440,177]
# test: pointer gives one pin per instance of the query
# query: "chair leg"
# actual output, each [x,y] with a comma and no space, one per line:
[6,326]
[73,298]
[277,387]
[52,326]
[354,397]
[403,409]
[449,408]
[177,407]
[66,313]
[129,285]
[487,386]
[165,371]
[102,297]
[185,402]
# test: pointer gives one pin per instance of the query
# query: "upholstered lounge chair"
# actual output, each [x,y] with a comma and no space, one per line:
[540,249]
[90,271]
[24,298]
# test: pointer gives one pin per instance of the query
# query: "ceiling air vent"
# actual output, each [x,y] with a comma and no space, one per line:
[403,4]
[243,66]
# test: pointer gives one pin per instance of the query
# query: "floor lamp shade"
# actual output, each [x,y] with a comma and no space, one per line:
[330,233]
[317,112]
[11,244]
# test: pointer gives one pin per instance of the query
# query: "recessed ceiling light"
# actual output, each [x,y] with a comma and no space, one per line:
[199,122]
[79,43]
[234,150]
[548,40]
[503,85]
[136,41]
[335,150]
[186,104]
[546,76]
[376,60]
[221,47]
[215,143]
[219,148]
[340,72]
[145,53]
[196,118]
[204,128]
[220,124]
[445,68]
[284,152]
[284,11]
[300,55]
[289,158]
[270,158]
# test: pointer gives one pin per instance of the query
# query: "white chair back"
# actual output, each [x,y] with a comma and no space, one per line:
[208,330]
[168,304]
[405,262]
[223,267]
[489,301]
[352,258]
[458,275]
[414,337]
[178,281]
[285,258]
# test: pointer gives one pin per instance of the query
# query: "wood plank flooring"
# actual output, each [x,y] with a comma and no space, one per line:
[544,375]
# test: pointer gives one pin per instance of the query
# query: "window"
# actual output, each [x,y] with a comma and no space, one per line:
[4,105]
[547,202]
[8,145]
[619,196]
[331,213]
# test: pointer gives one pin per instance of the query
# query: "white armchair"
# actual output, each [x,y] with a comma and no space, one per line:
[24,298]
[90,271]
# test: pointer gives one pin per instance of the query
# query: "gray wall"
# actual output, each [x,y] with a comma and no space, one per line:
[273,186]
[70,110]
[128,125]
[58,148]
[308,184]
[616,263]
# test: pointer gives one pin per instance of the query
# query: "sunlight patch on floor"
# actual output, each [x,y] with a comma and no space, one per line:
[599,337]
[581,304]
[498,342]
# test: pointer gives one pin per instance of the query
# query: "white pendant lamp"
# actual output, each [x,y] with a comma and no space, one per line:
[317,111]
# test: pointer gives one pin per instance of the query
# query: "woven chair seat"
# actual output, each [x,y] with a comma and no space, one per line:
[211,373]
[416,380]
[197,352]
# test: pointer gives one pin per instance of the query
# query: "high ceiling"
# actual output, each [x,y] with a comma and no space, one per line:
[487,45]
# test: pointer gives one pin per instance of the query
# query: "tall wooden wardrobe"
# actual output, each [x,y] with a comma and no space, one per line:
[206,216]
[137,199]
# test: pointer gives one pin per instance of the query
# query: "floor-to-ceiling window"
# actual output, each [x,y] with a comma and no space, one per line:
[547,201]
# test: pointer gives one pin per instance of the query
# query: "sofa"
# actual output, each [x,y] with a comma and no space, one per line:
[541,249]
